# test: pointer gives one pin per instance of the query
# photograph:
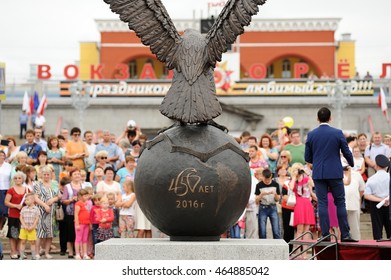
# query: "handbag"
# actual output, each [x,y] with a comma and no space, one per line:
[292,219]
[291,201]
[59,213]
[87,162]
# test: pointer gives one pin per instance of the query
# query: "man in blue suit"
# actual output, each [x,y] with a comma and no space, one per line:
[323,149]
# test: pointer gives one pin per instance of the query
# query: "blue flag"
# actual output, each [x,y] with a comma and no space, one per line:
[36,101]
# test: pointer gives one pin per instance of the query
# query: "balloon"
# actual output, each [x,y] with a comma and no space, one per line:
[288,121]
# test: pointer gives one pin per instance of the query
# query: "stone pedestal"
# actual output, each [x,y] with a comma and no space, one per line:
[163,249]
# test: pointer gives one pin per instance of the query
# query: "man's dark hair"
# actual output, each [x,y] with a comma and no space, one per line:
[324,115]
[350,138]
[131,133]
[266,173]
[75,130]
[85,133]
[245,134]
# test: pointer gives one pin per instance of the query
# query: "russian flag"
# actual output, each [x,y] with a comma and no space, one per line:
[42,105]
[36,101]
[383,104]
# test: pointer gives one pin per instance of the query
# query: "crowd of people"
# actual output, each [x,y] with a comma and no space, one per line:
[80,188]
[333,184]
[72,186]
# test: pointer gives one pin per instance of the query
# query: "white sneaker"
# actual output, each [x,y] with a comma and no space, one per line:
[77,257]
[49,257]
[85,257]
[36,257]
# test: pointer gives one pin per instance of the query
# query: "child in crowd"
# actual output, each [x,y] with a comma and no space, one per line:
[84,183]
[82,225]
[93,216]
[29,217]
[98,176]
[105,216]
[127,210]
[68,165]
[112,201]
[89,205]
[61,224]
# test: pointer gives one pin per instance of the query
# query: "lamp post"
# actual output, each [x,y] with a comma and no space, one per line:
[80,99]
[339,97]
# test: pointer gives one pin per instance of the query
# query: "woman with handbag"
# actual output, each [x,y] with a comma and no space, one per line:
[301,184]
[46,198]
[69,198]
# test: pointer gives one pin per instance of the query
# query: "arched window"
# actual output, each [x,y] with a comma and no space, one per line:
[286,69]
[132,69]
[270,71]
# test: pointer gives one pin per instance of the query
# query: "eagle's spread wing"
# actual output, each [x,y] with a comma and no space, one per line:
[152,24]
[230,24]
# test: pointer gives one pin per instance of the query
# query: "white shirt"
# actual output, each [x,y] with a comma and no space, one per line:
[40,121]
[91,152]
[5,176]
[352,192]
[358,162]
[128,211]
[252,206]
[103,187]
[378,184]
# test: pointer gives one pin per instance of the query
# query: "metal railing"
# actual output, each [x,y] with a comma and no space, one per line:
[324,241]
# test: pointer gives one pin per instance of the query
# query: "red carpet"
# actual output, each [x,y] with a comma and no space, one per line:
[362,250]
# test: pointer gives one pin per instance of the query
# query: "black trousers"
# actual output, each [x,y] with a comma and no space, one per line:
[23,128]
[289,232]
[380,218]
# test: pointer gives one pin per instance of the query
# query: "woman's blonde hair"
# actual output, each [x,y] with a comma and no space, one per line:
[102,153]
[288,155]
[128,183]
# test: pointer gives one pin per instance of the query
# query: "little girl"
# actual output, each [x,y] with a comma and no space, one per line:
[127,210]
[93,216]
[82,224]
[98,176]
[115,226]
[105,217]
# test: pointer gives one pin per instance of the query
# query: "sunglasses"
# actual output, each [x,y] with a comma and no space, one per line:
[103,158]
[76,134]
[282,156]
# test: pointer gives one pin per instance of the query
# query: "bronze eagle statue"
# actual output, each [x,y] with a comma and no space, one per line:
[193,56]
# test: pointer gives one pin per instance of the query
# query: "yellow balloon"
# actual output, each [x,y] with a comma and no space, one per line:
[288,121]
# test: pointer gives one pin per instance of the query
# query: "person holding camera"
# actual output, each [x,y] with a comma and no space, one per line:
[323,149]
[131,132]
[302,185]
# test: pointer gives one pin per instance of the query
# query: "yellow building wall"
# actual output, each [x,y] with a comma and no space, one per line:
[346,53]
[89,55]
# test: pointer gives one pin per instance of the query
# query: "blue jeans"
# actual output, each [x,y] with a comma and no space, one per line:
[338,191]
[234,231]
[271,213]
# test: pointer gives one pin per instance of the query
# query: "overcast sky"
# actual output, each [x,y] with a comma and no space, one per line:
[49,31]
